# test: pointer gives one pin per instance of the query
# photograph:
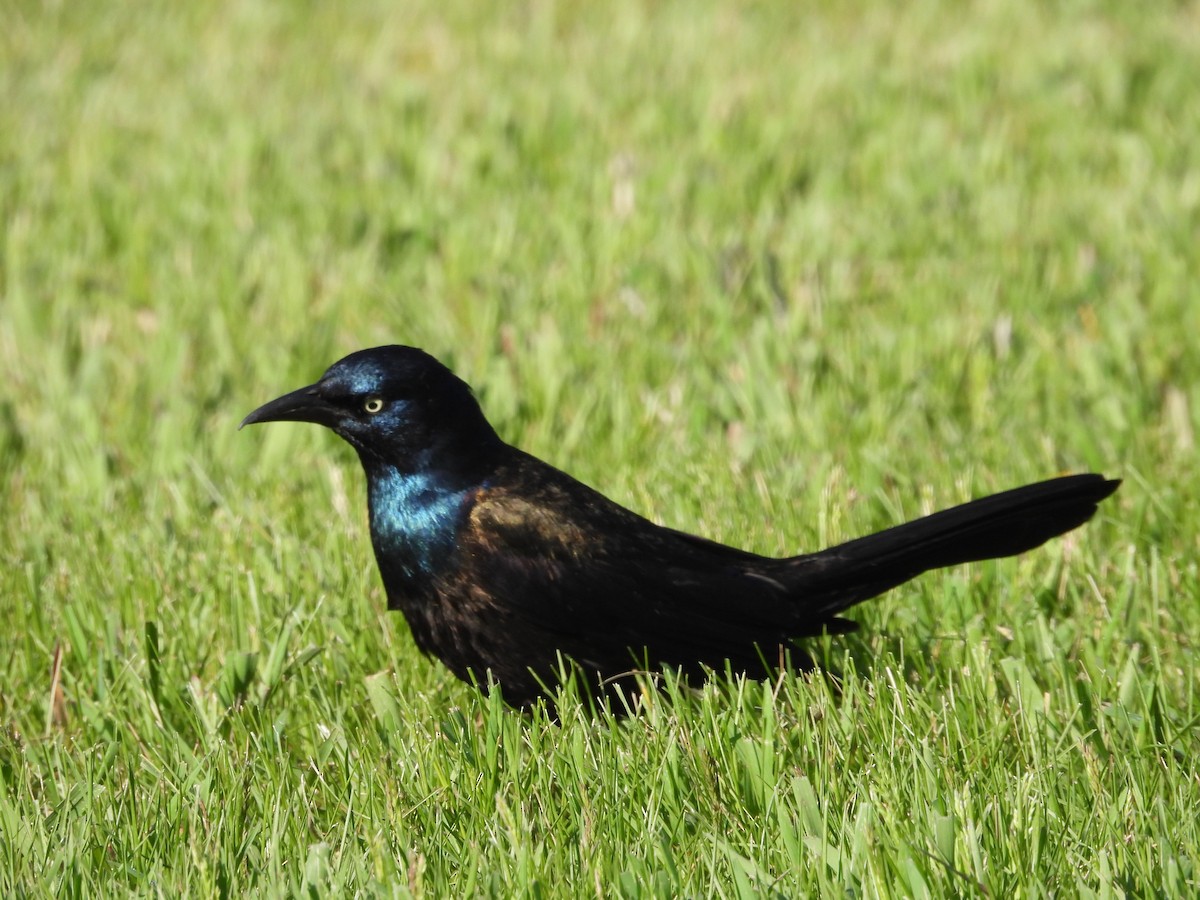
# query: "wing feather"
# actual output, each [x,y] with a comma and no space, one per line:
[566,578]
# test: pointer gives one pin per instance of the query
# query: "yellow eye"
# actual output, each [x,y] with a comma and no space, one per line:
[373,405]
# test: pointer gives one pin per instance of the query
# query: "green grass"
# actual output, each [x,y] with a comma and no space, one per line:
[779,273]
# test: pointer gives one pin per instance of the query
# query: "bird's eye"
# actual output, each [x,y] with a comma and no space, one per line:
[373,405]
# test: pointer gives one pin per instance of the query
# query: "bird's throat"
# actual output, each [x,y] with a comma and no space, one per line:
[415,518]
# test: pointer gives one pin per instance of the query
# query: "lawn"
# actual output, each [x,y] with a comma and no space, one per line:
[777,273]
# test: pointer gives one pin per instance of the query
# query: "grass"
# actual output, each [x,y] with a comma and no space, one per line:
[778,273]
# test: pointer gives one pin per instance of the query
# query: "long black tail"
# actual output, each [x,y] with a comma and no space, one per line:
[989,528]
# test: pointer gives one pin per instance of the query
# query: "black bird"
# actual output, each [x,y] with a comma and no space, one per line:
[500,562]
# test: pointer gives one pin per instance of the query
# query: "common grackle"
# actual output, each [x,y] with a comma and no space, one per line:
[501,562]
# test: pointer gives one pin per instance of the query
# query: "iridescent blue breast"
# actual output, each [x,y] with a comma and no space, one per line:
[414,524]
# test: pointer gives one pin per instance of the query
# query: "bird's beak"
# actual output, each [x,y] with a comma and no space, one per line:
[304,405]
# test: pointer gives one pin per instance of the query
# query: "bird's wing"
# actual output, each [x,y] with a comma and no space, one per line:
[569,571]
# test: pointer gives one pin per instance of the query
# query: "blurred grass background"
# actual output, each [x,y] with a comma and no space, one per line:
[778,273]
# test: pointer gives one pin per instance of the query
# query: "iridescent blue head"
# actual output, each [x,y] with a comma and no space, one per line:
[398,407]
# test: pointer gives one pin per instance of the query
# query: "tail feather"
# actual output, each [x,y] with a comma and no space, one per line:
[992,527]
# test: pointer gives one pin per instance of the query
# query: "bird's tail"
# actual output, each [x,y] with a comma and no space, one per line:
[989,528]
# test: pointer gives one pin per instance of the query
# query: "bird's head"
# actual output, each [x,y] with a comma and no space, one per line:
[396,406]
